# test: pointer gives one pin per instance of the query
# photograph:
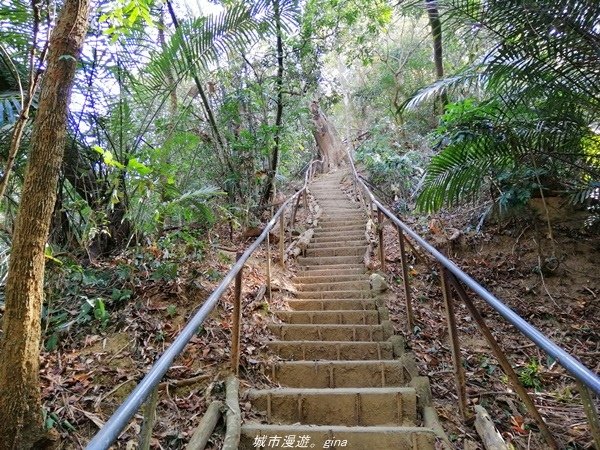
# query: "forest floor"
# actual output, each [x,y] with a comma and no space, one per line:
[89,367]
[92,366]
[562,300]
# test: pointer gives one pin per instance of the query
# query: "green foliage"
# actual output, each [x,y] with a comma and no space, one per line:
[165,271]
[123,15]
[395,172]
[52,420]
[532,127]
[77,296]
[357,23]
[530,375]
[171,310]
[200,42]
[483,144]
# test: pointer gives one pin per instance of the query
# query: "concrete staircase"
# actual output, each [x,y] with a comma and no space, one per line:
[346,379]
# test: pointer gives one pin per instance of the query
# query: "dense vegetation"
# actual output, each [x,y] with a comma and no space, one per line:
[184,120]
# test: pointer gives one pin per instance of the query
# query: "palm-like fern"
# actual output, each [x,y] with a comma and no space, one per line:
[198,44]
[543,76]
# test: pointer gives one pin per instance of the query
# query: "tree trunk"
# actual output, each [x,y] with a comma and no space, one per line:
[436,33]
[21,424]
[279,115]
[331,148]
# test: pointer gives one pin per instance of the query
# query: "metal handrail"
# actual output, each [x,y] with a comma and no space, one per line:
[571,364]
[124,413]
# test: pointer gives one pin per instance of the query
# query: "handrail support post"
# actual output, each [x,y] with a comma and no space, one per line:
[282,239]
[269,265]
[590,411]
[237,316]
[380,235]
[149,412]
[459,373]
[503,361]
[410,317]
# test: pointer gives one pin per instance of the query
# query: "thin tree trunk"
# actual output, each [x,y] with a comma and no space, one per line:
[436,32]
[204,98]
[209,113]
[34,77]
[279,115]
[21,424]
[170,77]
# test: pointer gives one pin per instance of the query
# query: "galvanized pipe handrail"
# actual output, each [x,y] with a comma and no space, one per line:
[571,364]
[113,427]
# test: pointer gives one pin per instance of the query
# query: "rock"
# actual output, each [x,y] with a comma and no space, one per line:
[378,283]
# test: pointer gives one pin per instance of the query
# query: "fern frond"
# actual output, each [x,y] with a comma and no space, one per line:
[468,80]
[204,41]
[201,193]
[10,107]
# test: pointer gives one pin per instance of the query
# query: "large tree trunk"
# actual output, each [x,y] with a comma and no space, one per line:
[331,148]
[21,425]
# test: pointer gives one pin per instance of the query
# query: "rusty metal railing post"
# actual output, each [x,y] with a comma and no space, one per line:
[237,316]
[410,317]
[149,412]
[503,361]
[459,373]
[380,235]
[590,411]
[293,218]
[269,265]
[282,239]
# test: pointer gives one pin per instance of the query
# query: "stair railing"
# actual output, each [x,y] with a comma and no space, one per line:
[453,282]
[147,389]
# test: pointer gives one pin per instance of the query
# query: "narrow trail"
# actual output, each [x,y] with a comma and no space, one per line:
[346,380]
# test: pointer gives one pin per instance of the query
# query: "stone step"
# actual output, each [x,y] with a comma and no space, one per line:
[350,250]
[342,235]
[349,239]
[339,374]
[337,210]
[330,332]
[332,350]
[329,436]
[343,406]
[324,197]
[341,221]
[333,269]
[325,228]
[362,242]
[341,317]
[333,305]
[341,294]
[329,285]
[342,212]
[328,260]
[333,277]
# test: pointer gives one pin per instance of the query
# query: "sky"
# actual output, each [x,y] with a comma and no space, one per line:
[201,6]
